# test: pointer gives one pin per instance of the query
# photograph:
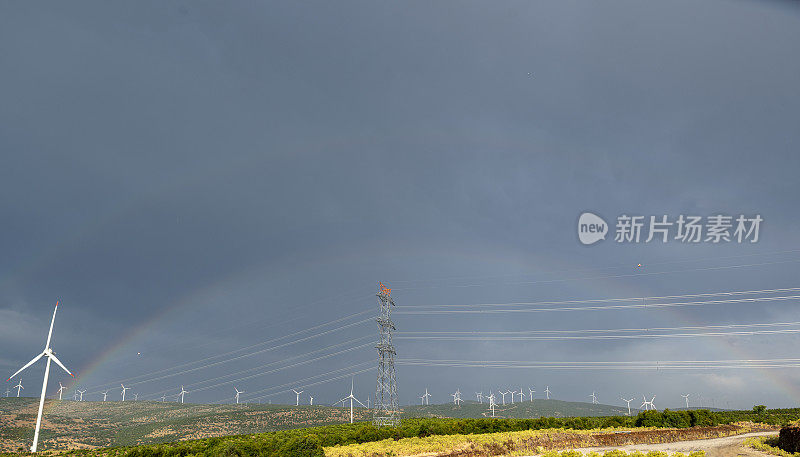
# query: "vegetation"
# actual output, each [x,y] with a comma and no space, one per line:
[769,445]
[314,441]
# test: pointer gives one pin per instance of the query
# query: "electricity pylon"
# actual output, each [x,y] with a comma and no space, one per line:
[386,404]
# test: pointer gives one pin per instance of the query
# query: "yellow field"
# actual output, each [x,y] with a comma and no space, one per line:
[526,442]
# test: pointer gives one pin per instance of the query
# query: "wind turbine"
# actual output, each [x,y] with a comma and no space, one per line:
[163,398]
[81,392]
[51,356]
[512,392]
[351,398]
[480,397]
[298,397]
[648,404]
[504,396]
[427,397]
[182,392]
[237,394]
[310,399]
[8,392]
[105,394]
[521,395]
[123,391]
[686,397]
[74,395]
[492,403]
[629,404]
[547,392]
[136,397]
[530,393]
[61,389]
[18,387]
[594,398]
[456,397]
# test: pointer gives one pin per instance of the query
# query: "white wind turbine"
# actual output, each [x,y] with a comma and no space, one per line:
[51,356]
[647,405]
[547,392]
[492,403]
[530,393]
[163,398]
[310,399]
[81,392]
[105,395]
[629,404]
[351,398]
[182,392]
[8,392]
[18,387]
[136,397]
[123,391]
[74,395]
[594,398]
[237,394]
[61,389]
[479,395]
[504,396]
[512,392]
[456,397]
[521,395]
[297,403]
[686,397]
[426,397]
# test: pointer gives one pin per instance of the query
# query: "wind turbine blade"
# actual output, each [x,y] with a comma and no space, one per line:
[35,359]
[58,362]
[50,333]
[359,402]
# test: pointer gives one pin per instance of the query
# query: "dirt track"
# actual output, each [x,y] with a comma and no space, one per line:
[729,446]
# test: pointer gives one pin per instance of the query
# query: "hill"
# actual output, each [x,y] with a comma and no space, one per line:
[84,425]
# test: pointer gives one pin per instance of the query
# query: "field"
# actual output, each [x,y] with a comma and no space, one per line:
[134,429]
[87,425]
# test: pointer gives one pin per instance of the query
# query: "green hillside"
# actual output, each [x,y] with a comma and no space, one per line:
[70,424]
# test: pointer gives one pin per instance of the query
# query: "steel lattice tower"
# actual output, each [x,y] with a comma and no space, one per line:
[386,405]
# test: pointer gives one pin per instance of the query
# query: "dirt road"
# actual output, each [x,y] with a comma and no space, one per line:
[729,446]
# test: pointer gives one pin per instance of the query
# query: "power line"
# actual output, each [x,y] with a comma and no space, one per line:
[611,365]
[606,300]
[606,307]
[167,370]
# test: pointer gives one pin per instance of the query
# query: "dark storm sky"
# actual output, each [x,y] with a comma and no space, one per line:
[193,178]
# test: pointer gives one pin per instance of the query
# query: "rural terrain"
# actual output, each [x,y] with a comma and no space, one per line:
[86,425]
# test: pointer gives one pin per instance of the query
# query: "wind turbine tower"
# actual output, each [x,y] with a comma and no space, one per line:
[629,404]
[530,393]
[237,394]
[386,404]
[504,396]
[492,403]
[479,395]
[521,395]
[61,389]
[18,387]
[297,402]
[182,393]
[51,356]
[105,395]
[547,392]
[426,397]
[512,392]
[594,398]
[81,392]
[123,391]
[310,399]
[686,397]
[351,398]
